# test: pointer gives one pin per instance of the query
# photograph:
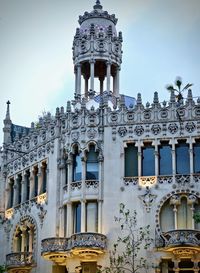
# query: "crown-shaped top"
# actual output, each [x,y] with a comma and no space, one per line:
[97,5]
[97,12]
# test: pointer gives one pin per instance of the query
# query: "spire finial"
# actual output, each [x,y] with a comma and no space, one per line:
[8,110]
[98,5]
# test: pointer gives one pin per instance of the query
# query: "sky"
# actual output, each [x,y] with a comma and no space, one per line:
[161,40]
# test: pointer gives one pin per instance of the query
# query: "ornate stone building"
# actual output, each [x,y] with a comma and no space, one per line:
[61,181]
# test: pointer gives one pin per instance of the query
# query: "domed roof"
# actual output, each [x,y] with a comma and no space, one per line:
[98,17]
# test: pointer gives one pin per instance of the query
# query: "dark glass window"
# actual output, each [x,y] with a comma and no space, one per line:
[19,181]
[35,181]
[182,158]
[196,157]
[131,161]
[92,165]
[44,177]
[77,167]
[165,159]
[148,160]
[77,217]
[27,184]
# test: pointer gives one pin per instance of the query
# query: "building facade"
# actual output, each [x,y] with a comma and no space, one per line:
[62,179]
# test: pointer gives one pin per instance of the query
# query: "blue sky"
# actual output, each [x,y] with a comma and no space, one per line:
[161,41]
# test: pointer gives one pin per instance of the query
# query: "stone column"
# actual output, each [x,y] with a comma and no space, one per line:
[92,63]
[108,75]
[30,240]
[191,158]
[39,174]
[173,159]
[31,181]
[69,179]
[139,160]
[15,188]
[100,197]
[100,216]
[176,266]
[156,160]
[23,236]
[69,219]
[23,188]
[83,215]
[175,217]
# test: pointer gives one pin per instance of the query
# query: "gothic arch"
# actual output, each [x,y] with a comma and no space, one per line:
[29,222]
[183,192]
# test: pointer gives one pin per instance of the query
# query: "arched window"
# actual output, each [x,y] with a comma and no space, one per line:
[92,164]
[24,237]
[177,212]
[77,166]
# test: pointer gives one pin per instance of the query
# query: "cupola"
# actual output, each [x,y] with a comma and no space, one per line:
[97,53]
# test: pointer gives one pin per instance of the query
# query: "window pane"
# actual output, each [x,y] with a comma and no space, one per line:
[167,217]
[77,217]
[196,154]
[92,165]
[131,161]
[182,216]
[77,167]
[148,161]
[165,160]
[182,159]
[91,217]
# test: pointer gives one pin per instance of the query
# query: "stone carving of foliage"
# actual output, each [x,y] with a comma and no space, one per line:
[122,131]
[173,128]
[190,127]
[91,133]
[139,130]
[156,129]
[75,136]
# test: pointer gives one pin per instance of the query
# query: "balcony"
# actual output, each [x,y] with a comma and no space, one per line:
[87,245]
[74,189]
[20,260]
[55,249]
[181,238]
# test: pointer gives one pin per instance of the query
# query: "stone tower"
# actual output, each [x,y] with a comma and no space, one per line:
[97,53]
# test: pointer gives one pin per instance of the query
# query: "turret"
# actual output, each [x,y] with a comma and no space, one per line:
[97,53]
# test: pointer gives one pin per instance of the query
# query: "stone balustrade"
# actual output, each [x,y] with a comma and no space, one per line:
[181,237]
[20,259]
[176,180]
[81,244]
